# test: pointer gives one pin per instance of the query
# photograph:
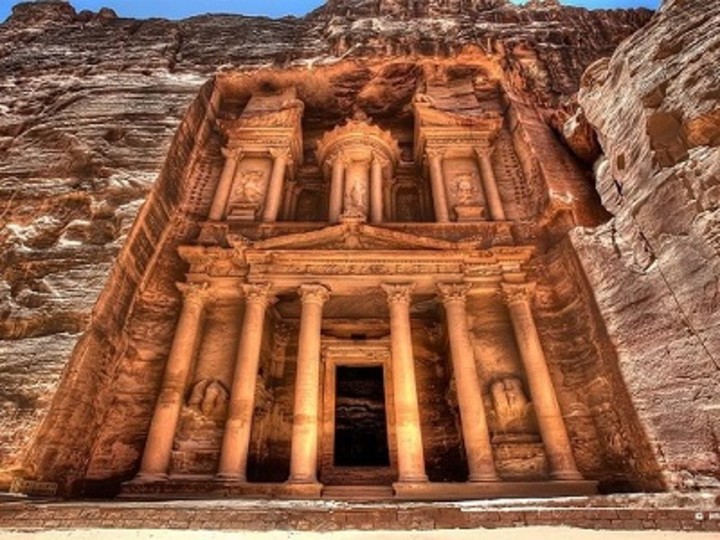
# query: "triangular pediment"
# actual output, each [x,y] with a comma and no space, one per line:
[354,236]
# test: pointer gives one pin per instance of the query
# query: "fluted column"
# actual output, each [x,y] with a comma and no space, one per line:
[303,459]
[337,189]
[475,431]
[236,439]
[275,186]
[376,191]
[411,458]
[222,192]
[437,183]
[492,195]
[156,456]
[552,426]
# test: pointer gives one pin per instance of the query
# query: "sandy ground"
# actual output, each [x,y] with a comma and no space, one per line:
[526,533]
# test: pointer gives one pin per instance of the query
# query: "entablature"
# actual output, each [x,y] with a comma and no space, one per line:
[352,258]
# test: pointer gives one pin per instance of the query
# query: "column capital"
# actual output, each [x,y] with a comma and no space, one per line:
[195,294]
[453,292]
[398,293]
[435,152]
[314,293]
[257,293]
[276,153]
[231,153]
[378,159]
[515,293]
[483,151]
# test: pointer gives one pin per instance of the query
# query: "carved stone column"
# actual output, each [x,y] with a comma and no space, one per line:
[472,410]
[376,191]
[275,186]
[222,192]
[437,182]
[236,439]
[489,182]
[550,420]
[357,196]
[411,458]
[336,189]
[156,456]
[303,459]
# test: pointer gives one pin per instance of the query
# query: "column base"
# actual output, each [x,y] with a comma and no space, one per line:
[230,477]
[487,477]
[148,478]
[566,475]
[296,489]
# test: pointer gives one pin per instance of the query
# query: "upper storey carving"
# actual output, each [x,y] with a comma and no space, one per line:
[263,146]
[361,158]
[268,121]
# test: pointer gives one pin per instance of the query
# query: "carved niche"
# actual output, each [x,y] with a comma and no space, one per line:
[265,141]
[360,158]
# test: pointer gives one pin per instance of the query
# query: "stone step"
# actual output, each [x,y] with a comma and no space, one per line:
[358,493]
[628,512]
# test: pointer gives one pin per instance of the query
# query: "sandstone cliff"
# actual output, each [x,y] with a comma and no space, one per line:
[90,103]
[654,267]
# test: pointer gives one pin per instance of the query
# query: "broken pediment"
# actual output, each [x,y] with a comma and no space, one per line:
[354,235]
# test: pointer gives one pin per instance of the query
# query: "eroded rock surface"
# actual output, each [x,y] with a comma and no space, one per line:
[654,267]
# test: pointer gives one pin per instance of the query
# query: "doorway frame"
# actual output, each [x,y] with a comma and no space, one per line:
[354,353]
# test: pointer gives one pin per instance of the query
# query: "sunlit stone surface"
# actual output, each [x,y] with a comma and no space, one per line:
[416,212]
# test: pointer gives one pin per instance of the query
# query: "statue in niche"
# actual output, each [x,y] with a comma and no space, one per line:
[250,187]
[355,196]
[512,410]
[465,188]
[209,397]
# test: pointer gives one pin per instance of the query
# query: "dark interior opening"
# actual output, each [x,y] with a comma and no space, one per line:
[360,418]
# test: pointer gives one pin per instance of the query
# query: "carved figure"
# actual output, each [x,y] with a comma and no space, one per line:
[209,397]
[466,192]
[355,197]
[250,187]
[512,408]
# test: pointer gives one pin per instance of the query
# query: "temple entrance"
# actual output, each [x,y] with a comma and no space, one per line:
[361,438]
[357,447]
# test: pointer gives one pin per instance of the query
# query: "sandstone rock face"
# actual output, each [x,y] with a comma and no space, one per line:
[91,102]
[654,266]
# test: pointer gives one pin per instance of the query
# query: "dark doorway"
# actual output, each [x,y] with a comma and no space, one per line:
[360,418]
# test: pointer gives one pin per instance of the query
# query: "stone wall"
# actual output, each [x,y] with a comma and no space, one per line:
[654,266]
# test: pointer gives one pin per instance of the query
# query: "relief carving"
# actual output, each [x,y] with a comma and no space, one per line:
[355,202]
[512,411]
[250,187]
[465,188]
[209,397]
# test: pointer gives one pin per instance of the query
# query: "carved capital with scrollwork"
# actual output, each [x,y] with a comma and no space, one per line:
[398,293]
[483,151]
[257,293]
[232,153]
[314,293]
[453,292]
[435,153]
[276,153]
[195,295]
[516,293]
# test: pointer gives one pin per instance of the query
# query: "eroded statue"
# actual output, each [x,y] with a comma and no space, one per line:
[512,409]
[209,397]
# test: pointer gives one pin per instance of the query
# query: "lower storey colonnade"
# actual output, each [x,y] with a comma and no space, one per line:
[411,480]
